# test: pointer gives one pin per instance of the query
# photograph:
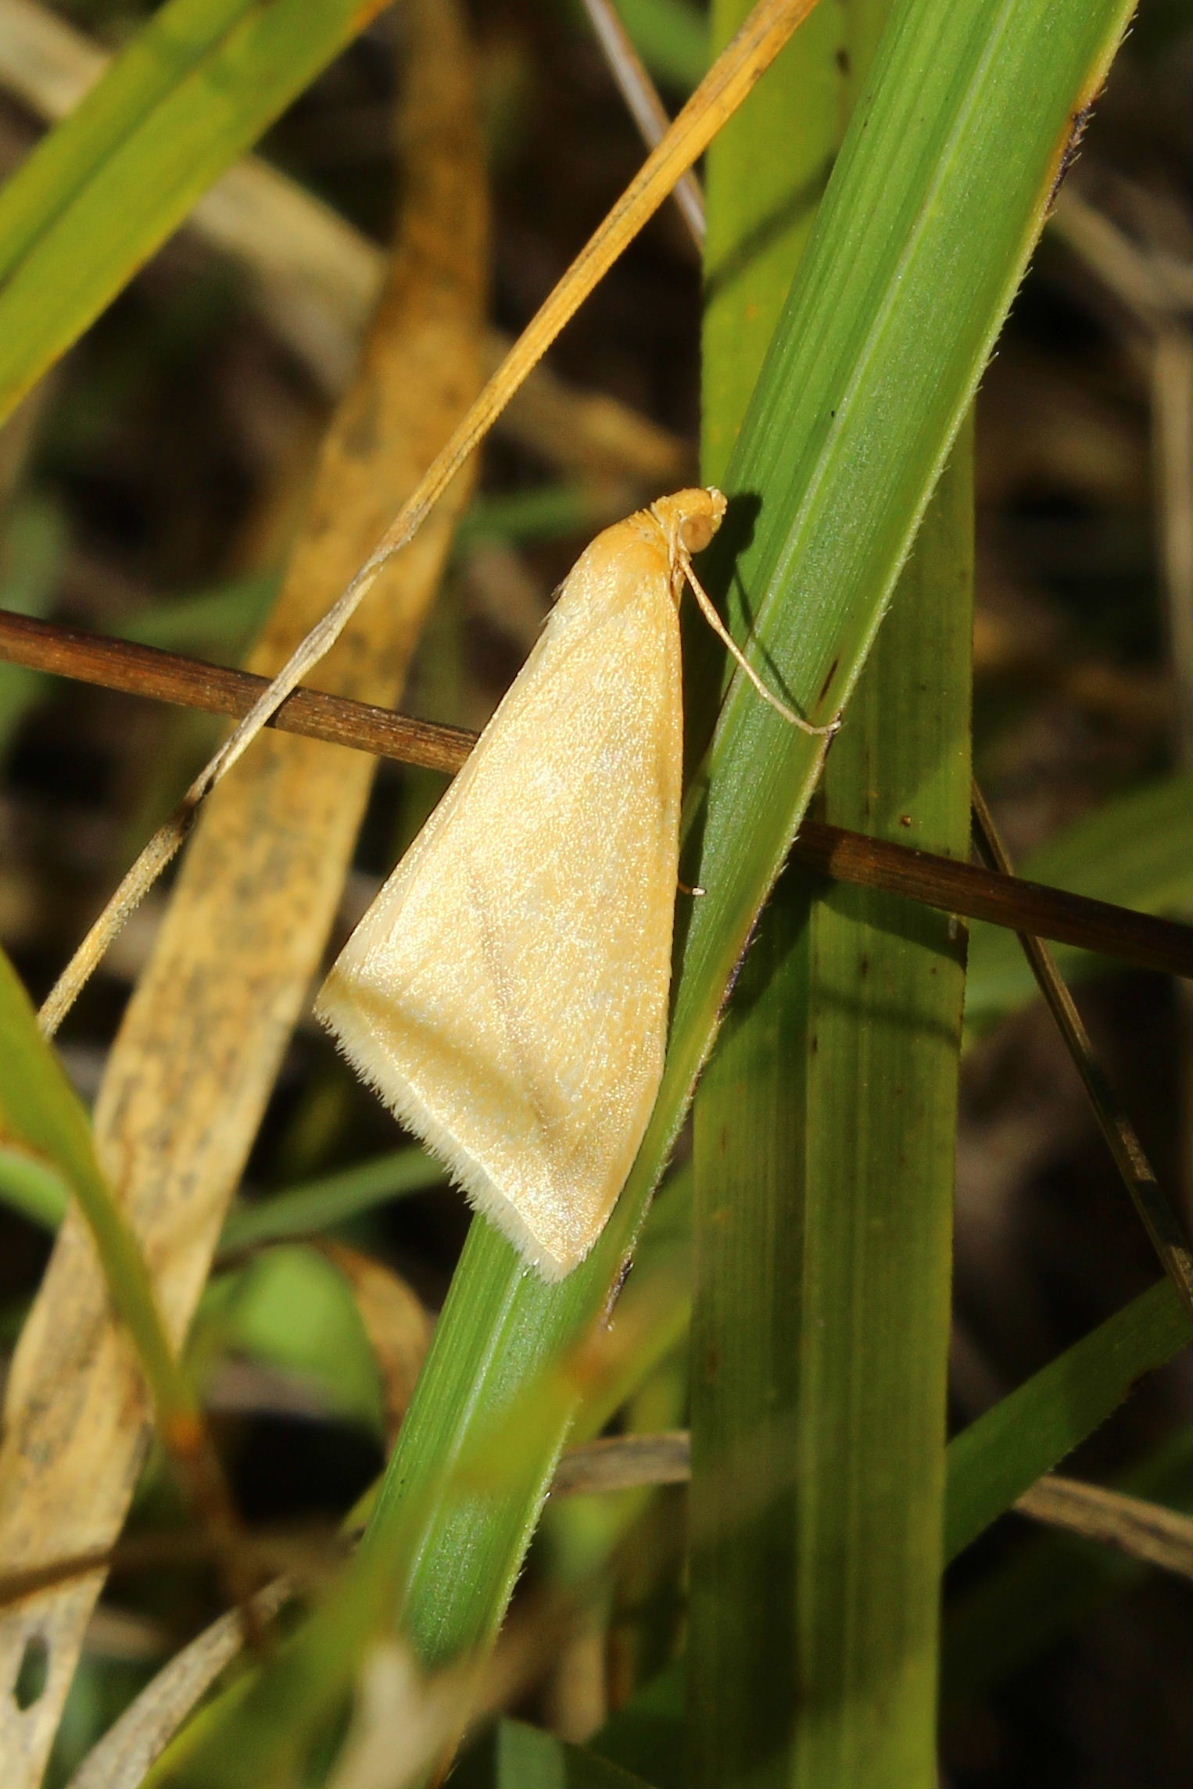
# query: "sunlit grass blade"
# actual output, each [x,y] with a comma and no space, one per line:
[197,85]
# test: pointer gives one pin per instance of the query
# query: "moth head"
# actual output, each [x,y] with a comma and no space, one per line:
[690,518]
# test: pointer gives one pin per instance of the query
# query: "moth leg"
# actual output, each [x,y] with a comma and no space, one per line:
[718,626]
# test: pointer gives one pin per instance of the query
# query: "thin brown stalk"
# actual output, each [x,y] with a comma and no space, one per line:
[1004,900]
[1145,1531]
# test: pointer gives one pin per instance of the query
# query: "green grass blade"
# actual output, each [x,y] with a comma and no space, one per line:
[883,1030]
[42,1118]
[766,176]
[783,1375]
[524,1757]
[333,1199]
[824,1174]
[924,233]
[1026,1434]
[825,1141]
[192,91]
[1051,1582]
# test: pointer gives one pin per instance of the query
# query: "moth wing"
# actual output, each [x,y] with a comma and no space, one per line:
[507,992]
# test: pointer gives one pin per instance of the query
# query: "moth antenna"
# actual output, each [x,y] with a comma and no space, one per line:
[722,632]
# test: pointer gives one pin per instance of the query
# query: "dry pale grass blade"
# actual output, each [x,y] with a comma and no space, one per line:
[407,1724]
[623,1462]
[1172,429]
[395,1320]
[146,1727]
[317,278]
[196,1057]
[404,1722]
[643,104]
[727,83]
[1147,1531]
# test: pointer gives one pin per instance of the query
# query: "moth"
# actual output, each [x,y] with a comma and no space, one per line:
[506,994]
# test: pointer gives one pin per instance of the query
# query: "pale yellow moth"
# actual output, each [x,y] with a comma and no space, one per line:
[506,993]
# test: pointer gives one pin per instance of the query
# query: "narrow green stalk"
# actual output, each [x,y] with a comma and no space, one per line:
[1029,1432]
[42,1119]
[766,176]
[824,1154]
